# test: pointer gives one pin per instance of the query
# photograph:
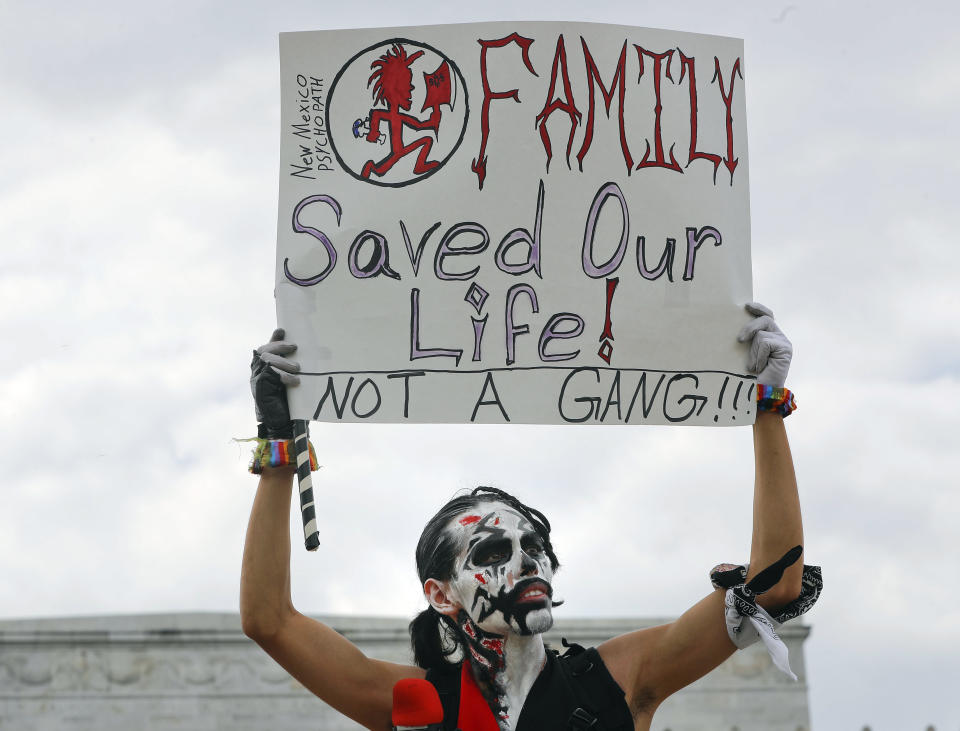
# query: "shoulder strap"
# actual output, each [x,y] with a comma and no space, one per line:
[599,702]
[447,683]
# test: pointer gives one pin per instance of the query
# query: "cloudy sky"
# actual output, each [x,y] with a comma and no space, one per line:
[138,193]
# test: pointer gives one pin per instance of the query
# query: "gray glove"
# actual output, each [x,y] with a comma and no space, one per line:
[770,350]
[270,374]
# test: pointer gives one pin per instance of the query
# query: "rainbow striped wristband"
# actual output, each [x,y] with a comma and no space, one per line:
[779,400]
[277,453]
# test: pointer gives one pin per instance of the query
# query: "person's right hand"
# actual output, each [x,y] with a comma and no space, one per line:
[270,374]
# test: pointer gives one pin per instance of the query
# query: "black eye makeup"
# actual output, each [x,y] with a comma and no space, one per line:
[532,544]
[489,553]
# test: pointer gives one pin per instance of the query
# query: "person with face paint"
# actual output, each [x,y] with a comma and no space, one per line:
[486,565]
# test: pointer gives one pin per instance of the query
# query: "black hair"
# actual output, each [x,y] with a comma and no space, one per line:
[433,636]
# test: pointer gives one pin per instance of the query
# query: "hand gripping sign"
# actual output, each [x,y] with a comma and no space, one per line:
[515,222]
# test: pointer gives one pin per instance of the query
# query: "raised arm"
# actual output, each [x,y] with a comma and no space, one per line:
[324,661]
[652,664]
[777,526]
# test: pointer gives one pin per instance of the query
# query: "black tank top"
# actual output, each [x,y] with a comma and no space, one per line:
[573,692]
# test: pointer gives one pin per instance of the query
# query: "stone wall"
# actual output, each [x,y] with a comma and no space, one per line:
[198,672]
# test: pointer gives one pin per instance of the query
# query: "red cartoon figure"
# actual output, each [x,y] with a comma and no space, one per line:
[393,87]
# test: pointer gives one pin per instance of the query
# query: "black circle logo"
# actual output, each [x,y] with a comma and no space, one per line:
[375,132]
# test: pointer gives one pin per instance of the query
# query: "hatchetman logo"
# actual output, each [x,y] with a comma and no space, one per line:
[373,132]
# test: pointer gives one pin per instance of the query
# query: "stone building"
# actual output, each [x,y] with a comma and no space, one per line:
[198,672]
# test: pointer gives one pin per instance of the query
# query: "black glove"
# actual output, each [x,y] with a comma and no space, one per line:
[270,374]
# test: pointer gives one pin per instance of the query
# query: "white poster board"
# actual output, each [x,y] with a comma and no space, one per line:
[542,223]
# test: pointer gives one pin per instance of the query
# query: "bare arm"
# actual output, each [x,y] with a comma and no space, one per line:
[777,526]
[652,664]
[265,574]
[324,661]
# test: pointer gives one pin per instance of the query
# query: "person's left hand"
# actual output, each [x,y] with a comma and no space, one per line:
[270,374]
[770,349]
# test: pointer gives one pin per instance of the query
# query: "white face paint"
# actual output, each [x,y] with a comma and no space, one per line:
[503,573]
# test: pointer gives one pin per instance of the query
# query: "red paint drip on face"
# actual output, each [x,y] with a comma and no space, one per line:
[479,577]
[469,519]
[497,521]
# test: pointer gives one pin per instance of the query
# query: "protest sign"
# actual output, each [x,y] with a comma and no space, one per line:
[541,223]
